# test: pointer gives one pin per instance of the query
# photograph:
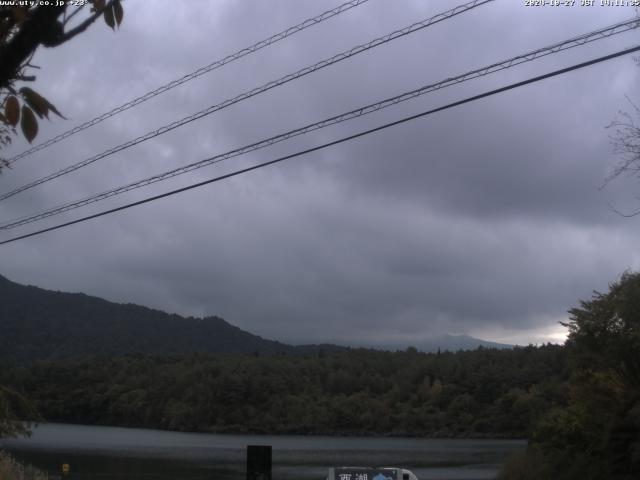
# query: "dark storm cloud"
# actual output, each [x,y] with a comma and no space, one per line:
[484,219]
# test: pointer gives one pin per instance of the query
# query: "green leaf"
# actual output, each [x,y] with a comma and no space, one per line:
[12,110]
[29,124]
[109,19]
[118,12]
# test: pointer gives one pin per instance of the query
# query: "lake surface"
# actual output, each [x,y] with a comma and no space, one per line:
[111,453]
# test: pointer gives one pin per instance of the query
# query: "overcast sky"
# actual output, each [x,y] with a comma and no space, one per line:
[486,219]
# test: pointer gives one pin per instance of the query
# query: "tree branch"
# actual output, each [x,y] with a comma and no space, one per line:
[68,18]
[26,78]
[83,26]
[40,28]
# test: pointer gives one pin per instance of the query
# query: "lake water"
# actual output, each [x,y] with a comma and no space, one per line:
[110,453]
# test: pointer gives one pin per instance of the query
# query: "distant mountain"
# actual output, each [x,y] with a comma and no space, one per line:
[454,343]
[451,343]
[38,324]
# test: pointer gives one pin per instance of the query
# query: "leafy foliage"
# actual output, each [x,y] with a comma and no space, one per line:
[11,469]
[597,434]
[481,393]
[15,411]
[605,332]
[22,30]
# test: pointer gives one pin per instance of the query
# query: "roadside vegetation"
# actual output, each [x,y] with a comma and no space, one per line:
[11,469]
[596,434]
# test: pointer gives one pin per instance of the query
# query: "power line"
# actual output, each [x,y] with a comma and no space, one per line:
[255,91]
[329,144]
[365,110]
[310,22]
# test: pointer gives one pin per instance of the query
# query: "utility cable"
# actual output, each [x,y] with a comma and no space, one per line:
[258,90]
[511,62]
[329,144]
[310,22]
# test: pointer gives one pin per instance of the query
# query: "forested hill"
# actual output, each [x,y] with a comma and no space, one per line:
[480,393]
[38,324]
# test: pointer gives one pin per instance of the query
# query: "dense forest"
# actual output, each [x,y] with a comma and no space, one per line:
[481,393]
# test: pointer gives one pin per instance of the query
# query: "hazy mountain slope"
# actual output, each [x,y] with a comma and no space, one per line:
[41,324]
[454,343]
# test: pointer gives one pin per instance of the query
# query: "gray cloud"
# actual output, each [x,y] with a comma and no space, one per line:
[485,219]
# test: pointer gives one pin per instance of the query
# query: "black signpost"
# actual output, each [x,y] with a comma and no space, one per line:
[258,462]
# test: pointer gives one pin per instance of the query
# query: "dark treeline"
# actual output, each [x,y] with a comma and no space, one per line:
[481,393]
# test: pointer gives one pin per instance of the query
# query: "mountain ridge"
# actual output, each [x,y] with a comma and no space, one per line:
[39,324]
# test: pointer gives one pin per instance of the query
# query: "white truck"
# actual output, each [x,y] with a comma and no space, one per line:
[370,473]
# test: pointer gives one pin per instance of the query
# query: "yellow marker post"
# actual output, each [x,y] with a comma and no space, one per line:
[65,469]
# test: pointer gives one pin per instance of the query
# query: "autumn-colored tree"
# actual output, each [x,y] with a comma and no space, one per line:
[22,30]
